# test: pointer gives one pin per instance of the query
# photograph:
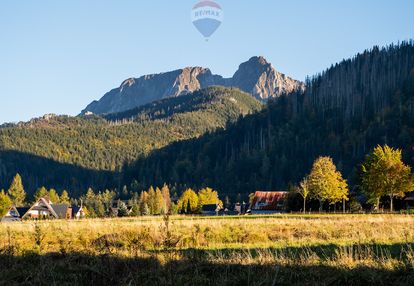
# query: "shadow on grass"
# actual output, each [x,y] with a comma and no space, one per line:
[324,251]
[194,269]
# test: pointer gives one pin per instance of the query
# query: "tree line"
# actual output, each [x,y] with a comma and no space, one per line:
[154,201]
[382,174]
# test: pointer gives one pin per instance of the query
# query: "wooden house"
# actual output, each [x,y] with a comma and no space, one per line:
[45,209]
[14,214]
[268,202]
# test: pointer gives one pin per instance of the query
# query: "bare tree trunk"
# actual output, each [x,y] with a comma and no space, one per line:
[320,206]
[343,205]
[304,205]
[392,203]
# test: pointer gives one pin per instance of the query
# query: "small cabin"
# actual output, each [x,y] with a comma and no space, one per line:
[14,214]
[268,202]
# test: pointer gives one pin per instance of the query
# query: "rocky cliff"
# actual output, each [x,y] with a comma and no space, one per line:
[256,76]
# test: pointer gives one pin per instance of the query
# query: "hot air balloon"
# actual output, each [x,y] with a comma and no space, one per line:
[207,17]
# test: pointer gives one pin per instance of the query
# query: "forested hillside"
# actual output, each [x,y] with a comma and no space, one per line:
[78,152]
[344,113]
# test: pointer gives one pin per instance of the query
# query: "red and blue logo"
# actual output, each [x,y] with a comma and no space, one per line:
[207,17]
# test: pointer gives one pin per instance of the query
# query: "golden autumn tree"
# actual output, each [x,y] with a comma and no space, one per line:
[385,174]
[188,202]
[326,183]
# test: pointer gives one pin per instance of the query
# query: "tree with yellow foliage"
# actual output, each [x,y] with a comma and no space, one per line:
[188,202]
[326,183]
[385,174]
[208,196]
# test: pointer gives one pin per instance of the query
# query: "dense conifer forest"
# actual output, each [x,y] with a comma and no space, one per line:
[344,113]
[75,153]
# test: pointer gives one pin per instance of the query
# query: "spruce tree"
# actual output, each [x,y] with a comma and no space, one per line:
[64,198]
[16,191]
[5,203]
[41,193]
[151,200]
[53,196]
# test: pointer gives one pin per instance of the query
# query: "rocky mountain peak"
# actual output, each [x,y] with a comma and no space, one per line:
[258,60]
[256,76]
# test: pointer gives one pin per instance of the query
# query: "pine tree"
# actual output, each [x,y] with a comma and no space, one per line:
[227,202]
[41,193]
[64,198]
[124,193]
[151,201]
[16,191]
[53,196]
[135,211]
[122,209]
[5,203]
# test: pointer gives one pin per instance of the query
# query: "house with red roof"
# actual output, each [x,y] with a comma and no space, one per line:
[268,202]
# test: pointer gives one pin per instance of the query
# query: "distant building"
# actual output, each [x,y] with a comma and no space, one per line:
[45,209]
[268,202]
[14,214]
[240,208]
[79,212]
[409,200]
[210,210]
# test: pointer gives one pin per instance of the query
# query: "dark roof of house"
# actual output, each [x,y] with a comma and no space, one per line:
[75,210]
[60,210]
[267,201]
[22,211]
[209,208]
[410,197]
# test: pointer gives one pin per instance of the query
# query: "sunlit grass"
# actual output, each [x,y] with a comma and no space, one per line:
[380,244]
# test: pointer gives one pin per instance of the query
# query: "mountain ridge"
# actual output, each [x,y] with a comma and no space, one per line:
[256,77]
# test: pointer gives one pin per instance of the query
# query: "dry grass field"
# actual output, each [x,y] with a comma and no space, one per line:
[262,250]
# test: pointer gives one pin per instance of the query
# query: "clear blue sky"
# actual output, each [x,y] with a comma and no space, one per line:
[57,56]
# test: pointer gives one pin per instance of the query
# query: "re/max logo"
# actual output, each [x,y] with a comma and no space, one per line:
[204,13]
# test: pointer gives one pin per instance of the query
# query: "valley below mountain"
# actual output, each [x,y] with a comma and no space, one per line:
[222,137]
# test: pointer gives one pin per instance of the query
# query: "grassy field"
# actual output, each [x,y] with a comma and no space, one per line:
[267,250]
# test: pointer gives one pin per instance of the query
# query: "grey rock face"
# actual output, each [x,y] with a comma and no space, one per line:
[256,76]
